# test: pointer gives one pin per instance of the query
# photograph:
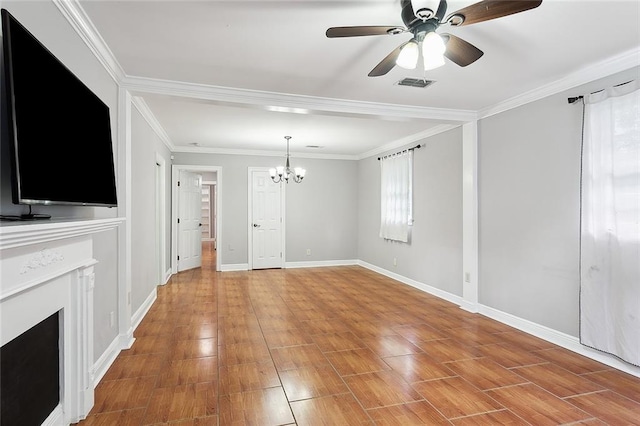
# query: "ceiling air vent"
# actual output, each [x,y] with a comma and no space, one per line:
[415,82]
[315,146]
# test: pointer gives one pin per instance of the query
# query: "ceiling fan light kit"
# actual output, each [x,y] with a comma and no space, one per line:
[423,23]
[408,57]
[433,49]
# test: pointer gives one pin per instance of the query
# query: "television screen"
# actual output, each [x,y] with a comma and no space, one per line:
[59,130]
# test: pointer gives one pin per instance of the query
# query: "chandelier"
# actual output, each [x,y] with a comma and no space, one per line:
[285,173]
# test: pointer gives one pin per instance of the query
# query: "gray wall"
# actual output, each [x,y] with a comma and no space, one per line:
[529,208]
[45,21]
[144,266]
[434,255]
[321,212]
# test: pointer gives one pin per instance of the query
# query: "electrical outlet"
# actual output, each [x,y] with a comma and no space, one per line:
[308,252]
[395,262]
[112,319]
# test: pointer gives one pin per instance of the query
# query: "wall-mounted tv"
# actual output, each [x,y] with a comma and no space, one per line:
[59,131]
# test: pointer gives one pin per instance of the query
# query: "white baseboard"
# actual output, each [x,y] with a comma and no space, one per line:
[107,358]
[413,283]
[320,263]
[167,277]
[137,317]
[126,340]
[469,307]
[556,337]
[122,341]
[234,267]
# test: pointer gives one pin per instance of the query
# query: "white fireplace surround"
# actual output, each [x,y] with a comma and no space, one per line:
[46,268]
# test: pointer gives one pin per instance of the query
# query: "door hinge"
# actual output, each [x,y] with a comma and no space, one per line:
[178,183]
[178,220]
[178,257]
[280,255]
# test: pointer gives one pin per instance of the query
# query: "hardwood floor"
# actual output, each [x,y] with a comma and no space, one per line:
[343,346]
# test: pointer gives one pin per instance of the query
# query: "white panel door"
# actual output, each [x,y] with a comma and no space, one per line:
[266,223]
[190,215]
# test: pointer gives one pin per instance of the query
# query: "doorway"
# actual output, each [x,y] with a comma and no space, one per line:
[209,189]
[175,209]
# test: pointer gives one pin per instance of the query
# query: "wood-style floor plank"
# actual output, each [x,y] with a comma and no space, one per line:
[338,410]
[343,346]
[609,406]
[411,414]
[537,405]
[312,382]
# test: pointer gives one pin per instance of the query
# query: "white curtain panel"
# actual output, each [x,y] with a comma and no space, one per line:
[396,196]
[610,240]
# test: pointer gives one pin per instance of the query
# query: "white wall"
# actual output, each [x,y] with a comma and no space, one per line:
[434,255]
[529,208]
[321,212]
[145,144]
[46,22]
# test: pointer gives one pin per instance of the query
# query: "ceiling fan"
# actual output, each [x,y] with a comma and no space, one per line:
[424,22]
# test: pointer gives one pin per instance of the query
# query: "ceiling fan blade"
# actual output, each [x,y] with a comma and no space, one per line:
[492,9]
[387,63]
[362,31]
[459,51]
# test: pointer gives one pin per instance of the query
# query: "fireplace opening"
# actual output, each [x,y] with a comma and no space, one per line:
[30,375]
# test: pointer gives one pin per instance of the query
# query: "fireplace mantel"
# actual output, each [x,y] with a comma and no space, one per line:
[18,234]
[47,267]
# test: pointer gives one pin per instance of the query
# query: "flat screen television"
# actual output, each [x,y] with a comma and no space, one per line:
[59,130]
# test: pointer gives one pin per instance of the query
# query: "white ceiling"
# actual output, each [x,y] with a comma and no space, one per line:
[182,57]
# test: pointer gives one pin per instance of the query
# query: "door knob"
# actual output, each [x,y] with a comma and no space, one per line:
[255,225]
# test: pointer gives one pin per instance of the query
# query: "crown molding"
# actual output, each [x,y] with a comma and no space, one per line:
[261,153]
[73,12]
[409,139]
[83,26]
[607,67]
[155,125]
[301,104]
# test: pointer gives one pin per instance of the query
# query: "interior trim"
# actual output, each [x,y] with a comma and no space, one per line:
[610,66]
[146,113]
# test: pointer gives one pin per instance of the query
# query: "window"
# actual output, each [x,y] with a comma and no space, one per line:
[396,196]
